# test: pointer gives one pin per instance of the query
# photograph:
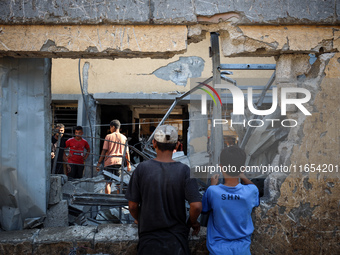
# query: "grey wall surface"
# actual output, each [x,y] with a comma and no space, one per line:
[167,11]
[25,137]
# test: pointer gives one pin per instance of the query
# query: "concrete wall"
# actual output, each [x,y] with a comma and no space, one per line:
[169,12]
[24,139]
[119,41]
[299,211]
[138,75]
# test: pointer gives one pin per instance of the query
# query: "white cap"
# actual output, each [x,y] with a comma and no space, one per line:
[166,134]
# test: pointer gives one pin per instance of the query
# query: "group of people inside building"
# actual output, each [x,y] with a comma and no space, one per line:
[159,188]
[79,150]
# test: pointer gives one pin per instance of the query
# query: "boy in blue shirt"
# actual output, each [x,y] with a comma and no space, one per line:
[230,205]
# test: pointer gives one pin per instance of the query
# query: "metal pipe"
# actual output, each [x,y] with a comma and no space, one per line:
[247,67]
[250,130]
[177,99]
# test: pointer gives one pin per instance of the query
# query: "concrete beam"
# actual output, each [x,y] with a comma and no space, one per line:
[122,12]
[103,41]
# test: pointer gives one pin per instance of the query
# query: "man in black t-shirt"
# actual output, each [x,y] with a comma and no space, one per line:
[157,192]
[59,131]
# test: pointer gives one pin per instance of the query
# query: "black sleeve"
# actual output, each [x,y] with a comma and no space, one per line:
[133,189]
[191,189]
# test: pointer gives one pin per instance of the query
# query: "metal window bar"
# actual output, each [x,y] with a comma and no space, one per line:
[228,67]
[114,178]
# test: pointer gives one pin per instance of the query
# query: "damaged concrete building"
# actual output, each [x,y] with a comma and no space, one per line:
[132,49]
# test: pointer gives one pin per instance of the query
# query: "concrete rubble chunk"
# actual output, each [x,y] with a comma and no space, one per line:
[57,215]
[55,190]
[11,218]
[272,185]
[70,189]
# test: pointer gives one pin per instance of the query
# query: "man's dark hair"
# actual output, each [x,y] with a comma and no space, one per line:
[59,125]
[166,146]
[78,128]
[115,123]
[233,156]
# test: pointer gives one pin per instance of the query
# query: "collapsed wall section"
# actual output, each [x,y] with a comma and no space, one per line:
[299,207]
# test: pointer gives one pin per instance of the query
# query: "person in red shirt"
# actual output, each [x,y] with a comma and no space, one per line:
[76,155]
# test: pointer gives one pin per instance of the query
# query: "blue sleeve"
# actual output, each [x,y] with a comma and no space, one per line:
[256,195]
[206,203]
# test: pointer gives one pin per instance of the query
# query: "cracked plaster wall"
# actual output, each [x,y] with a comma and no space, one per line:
[92,41]
[240,40]
[136,75]
[104,41]
[180,71]
[300,211]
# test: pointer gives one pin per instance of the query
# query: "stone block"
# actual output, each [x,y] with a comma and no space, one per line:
[57,215]
[55,190]
[10,218]
[290,66]
[284,69]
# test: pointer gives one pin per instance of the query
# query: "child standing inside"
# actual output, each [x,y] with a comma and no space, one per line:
[230,205]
